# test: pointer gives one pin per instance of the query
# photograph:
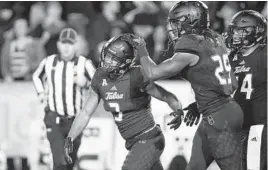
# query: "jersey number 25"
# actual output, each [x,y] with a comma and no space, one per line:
[222,72]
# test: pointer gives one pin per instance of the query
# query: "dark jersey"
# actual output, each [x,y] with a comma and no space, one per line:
[126,100]
[211,78]
[251,73]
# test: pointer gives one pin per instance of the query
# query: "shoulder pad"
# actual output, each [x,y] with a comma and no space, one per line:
[136,71]
[97,75]
[137,74]
[188,44]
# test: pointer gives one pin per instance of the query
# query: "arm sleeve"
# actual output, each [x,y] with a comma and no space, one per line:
[89,69]
[38,77]
[187,44]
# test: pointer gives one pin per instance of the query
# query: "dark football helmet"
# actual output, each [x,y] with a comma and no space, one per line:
[187,17]
[246,29]
[117,56]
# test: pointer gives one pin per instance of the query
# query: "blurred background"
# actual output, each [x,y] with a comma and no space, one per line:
[29,32]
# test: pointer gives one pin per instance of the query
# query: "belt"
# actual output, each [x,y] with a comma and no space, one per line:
[61,116]
[63,119]
[66,117]
[58,118]
[146,131]
[134,110]
[147,134]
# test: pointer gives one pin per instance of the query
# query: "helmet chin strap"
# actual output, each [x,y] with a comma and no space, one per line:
[117,73]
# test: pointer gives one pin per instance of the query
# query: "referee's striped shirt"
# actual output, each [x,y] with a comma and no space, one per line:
[65,82]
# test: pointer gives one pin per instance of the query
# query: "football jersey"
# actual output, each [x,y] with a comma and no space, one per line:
[251,73]
[126,100]
[211,77]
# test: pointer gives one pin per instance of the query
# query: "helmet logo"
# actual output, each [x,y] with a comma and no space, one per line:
[111,51]
[243,21]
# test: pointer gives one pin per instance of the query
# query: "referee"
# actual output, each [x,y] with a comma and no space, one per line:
[61,78]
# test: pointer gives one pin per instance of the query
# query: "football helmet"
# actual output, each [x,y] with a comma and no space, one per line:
[187,17]
[246,29]
[117,56]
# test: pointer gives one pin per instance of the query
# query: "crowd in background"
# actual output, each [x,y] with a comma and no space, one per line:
[29,30]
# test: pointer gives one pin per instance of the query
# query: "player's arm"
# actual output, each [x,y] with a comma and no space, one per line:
[167,68]
[38,76]
[162,94]
[83,117]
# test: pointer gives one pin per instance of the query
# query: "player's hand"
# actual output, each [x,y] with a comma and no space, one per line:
[68,148]
[134,40]
[192,115]
[176,121]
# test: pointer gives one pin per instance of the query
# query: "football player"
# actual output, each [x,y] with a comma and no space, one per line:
[201,56]
[127,94]
[247,37]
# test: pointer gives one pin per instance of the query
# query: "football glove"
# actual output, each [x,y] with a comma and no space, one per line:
[68,148]
[192,115]
[138,43]
[134,40]
[176,121]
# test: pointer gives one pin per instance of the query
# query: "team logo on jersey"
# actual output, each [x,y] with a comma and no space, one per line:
[104,82]
[235,58]
[241,69]
[242,62]
[113,88]
[113,96]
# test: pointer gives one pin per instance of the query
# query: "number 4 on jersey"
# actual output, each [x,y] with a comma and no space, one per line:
[247,86]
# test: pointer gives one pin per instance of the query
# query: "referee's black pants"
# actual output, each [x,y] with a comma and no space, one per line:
[58,128]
